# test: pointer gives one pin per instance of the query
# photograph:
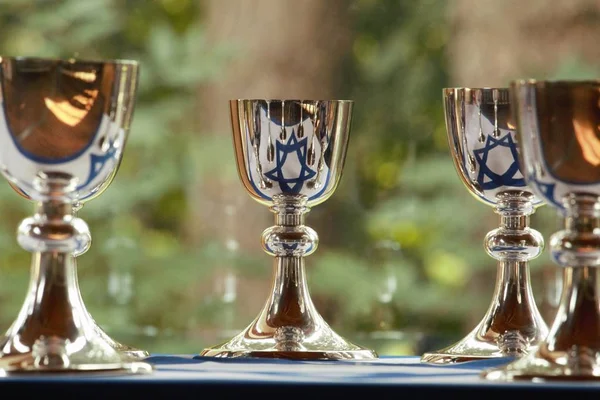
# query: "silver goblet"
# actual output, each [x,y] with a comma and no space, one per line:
[63,128]
[559,124]
[481,136]
[290,155]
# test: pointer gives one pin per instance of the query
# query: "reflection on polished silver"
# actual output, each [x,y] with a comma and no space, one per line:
[560,140]
[62,133]
[481,135]
[290,155]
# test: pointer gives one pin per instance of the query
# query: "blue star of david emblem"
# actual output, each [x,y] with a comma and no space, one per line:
[97,163]
[291,184]
[496,180]
[547,190]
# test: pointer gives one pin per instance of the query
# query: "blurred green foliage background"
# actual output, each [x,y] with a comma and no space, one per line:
[404,255]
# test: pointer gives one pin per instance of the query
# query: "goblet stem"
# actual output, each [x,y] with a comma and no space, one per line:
[289,326]
[289,307]
[53,314]
[513,319]
[513,324]
[54,331]
[576,330]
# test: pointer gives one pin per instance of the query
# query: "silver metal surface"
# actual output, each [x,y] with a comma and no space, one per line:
[483,145]
[560,146]
[63,128]
[290,155]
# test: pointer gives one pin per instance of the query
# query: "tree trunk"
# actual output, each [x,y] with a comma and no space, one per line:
[493,41]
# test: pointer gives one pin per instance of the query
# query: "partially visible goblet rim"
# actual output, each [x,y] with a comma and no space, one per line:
[476,88]
[72,60]
[299,100]
[490,95]
[556,82]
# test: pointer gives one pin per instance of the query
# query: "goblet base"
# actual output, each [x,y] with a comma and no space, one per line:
[134,354]
[289,326]
[24,364]
[315,341]
[129,352]
[470,348]
[512,326]
[310,341]
[85,353]
[54,332]
[535,367]
[292,355]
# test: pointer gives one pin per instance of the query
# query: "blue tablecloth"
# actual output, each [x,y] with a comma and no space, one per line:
[186,376]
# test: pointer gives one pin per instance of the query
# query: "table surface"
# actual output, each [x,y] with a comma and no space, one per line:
[186,376]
